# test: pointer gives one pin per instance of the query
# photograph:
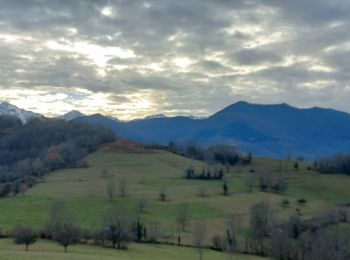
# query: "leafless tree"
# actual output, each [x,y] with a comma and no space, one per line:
[153,231]
[183,216]
[66,234]
[260,221]
[141,204]
[122,188]
[250,181]
[24,235]
[203,191]
[105,172]
[219,242]
[199,233]
[111,189]
[117,227]
[233,227]
[163,195]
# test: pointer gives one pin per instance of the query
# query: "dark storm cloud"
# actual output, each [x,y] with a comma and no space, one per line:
[196,56]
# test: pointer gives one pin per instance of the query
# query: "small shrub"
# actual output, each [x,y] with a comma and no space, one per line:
[225,189]
[302,201]
[218,243]
[203,192]
[285,203]
[163,194]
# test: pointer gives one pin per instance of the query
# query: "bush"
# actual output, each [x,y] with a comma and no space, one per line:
[302,201]
[285,203]
[218,243]
[163,194]
[272,182]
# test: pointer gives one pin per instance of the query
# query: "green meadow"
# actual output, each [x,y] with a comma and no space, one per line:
[84,194]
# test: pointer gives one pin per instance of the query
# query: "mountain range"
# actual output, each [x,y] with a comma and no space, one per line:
[266,130]
[11,110]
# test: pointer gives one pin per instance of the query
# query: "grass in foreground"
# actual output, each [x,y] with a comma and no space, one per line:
[43,250]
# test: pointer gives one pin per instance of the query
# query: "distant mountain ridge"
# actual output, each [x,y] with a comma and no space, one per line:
[11,110]
[266,130]
[277,130]
[74,114]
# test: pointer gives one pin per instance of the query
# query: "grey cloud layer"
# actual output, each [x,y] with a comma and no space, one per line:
[197,55]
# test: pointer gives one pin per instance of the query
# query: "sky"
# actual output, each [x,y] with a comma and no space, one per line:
[133,58]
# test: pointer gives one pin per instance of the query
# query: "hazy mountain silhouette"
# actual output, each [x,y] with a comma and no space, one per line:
[267,130]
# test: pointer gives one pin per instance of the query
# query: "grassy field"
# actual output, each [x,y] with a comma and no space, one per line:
[84,193]
[43,250]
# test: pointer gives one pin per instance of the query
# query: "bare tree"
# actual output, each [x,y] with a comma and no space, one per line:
[153,231]
[66,234]
[141,204]
[117,227]
[250,181]
[105,172]
[183,216]
[225,188]
[111,189]
[219,242]
[122,187]
[163,195]
[233,225]
[203,191]
[260,221]
[24,235]
[57,216]
[199,237]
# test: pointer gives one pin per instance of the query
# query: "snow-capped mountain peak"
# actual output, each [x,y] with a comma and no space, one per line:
[71,115]
[21,114]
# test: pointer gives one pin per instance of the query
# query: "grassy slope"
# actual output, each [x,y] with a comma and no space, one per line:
[84,191]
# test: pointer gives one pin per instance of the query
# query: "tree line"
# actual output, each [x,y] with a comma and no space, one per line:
[204,174]
[336,164]
[225,154]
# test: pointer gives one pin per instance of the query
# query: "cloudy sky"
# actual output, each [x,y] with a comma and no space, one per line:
[131,58]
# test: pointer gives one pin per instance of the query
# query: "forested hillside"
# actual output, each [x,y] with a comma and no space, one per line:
[33,150]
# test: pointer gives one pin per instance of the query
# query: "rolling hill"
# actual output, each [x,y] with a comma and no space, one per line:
[83,193]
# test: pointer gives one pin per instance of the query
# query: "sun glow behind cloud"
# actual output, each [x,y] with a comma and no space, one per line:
[98,54]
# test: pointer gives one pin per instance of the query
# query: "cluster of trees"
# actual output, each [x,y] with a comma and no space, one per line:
[272,182]
[208,174]
[220,153]
[28,152]
[335,164]
[118,229]
[292,239]
[266,182]
[296,238]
